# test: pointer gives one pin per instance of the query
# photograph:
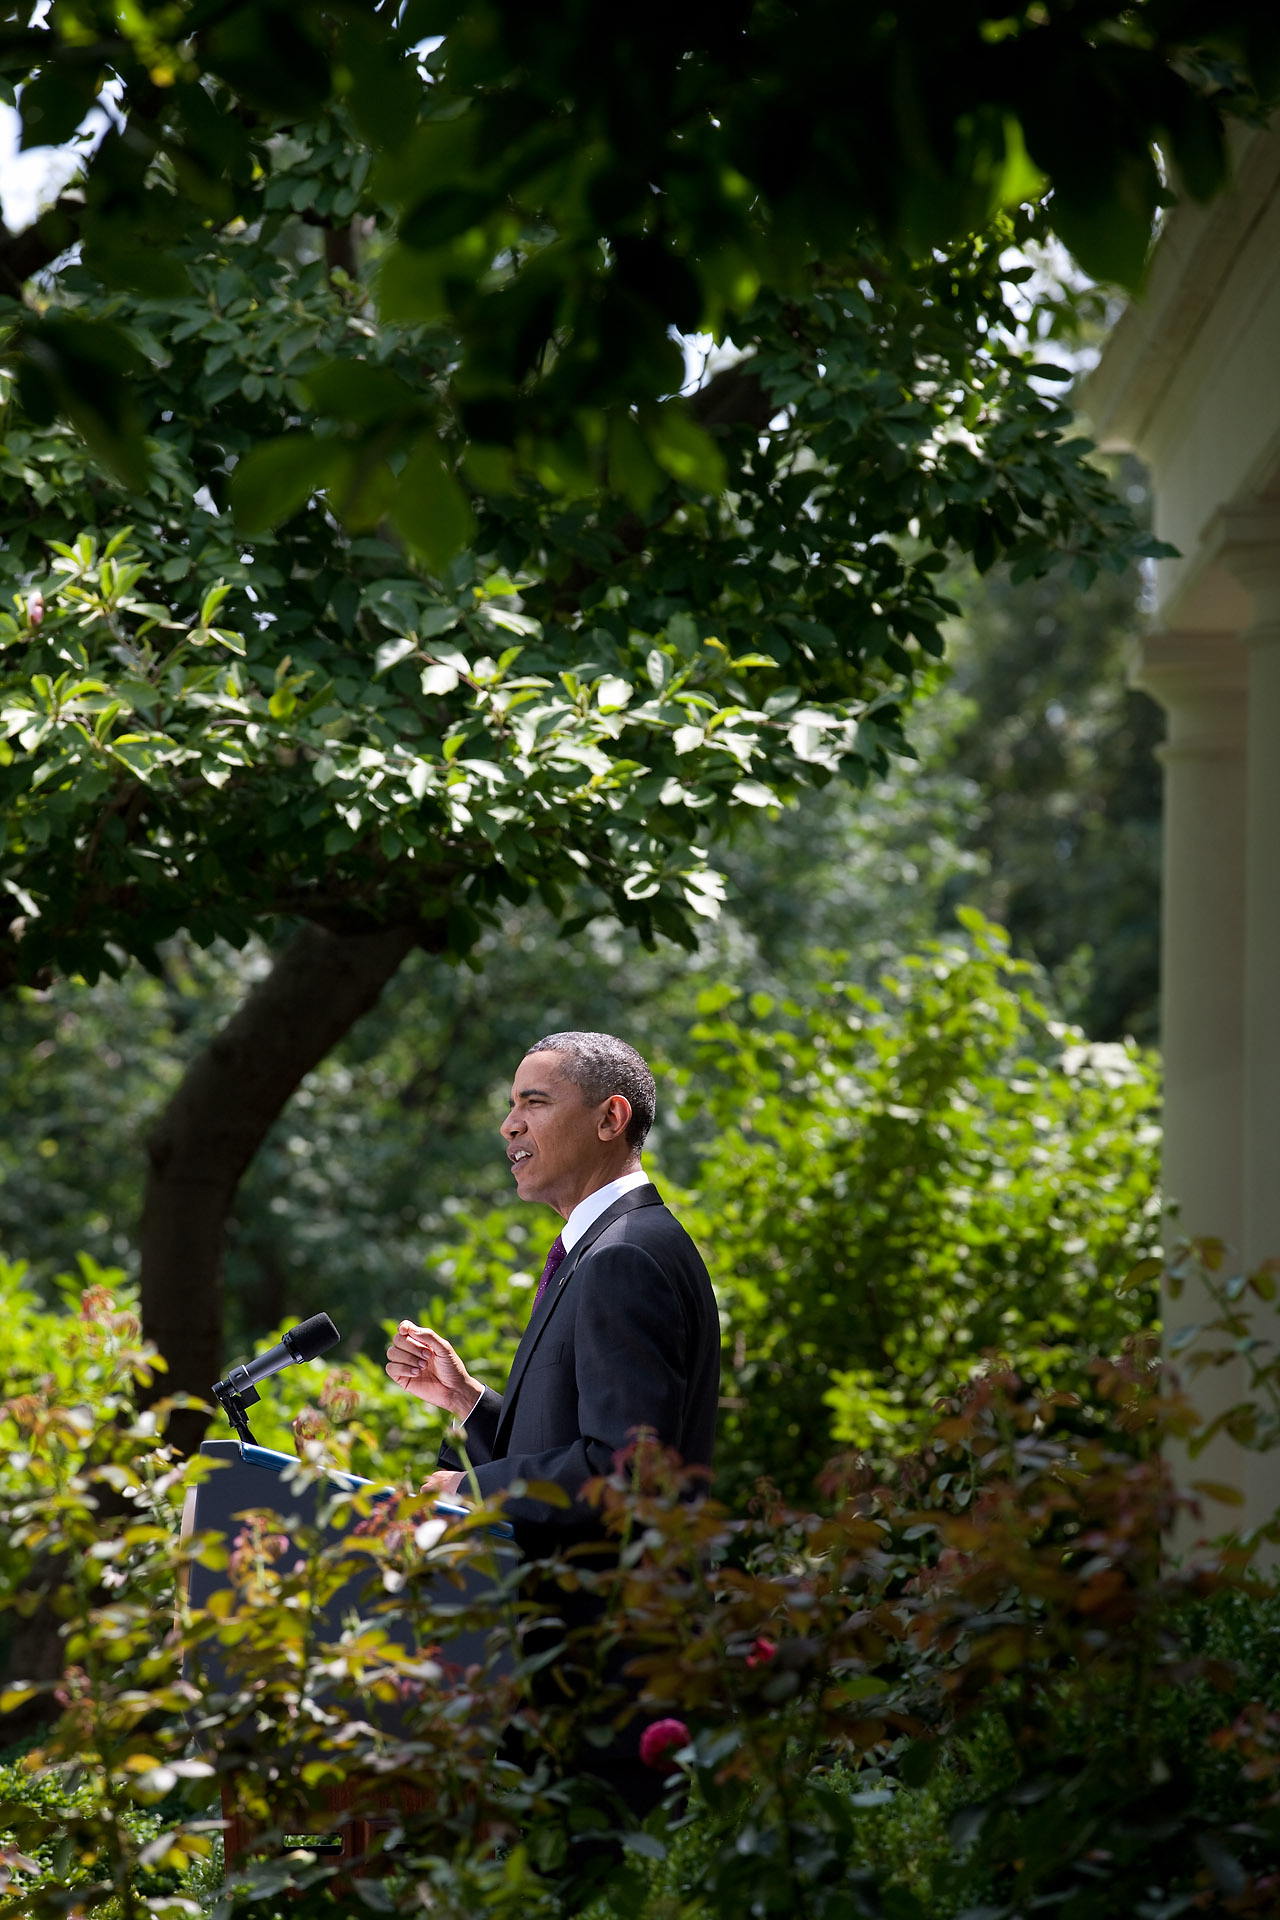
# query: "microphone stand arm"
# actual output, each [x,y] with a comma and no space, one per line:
[235,1395]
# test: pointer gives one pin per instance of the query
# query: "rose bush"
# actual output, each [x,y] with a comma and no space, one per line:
[971,1685]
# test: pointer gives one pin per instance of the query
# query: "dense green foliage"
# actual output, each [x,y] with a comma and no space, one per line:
[337,724]
[902,1179]
[972,1687]
[565,191]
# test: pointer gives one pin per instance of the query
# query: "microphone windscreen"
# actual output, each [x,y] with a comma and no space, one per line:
[311,1337]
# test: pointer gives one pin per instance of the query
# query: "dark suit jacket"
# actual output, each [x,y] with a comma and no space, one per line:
[627,1335]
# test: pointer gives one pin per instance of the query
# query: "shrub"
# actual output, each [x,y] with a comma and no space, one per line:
[899,1181]
[971,1686]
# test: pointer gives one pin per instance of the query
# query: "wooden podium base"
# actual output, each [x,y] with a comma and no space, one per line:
[240,1835]
[252,1479]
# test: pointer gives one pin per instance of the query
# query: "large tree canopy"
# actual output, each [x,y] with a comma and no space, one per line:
[203,733]
[564,187]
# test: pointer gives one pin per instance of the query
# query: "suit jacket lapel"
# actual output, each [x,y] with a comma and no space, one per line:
[637,1197]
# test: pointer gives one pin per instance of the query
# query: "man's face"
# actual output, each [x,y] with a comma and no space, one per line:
[552,1136]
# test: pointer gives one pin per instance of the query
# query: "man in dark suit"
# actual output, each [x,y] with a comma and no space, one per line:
[624,1332]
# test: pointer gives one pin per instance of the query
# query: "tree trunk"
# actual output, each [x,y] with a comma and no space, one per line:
[340,249]
[216,1121]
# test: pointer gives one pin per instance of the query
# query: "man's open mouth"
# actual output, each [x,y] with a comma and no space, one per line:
[516,1158]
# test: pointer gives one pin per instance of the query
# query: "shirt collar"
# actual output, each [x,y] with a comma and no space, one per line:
[595,1204]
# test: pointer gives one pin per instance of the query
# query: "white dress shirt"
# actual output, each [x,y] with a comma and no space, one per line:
[595,1204]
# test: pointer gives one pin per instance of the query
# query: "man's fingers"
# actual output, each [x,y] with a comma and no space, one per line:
[403,1344]
[401,1368]
[442,1481]
[411,1333]
[424,1341]
[415,1339]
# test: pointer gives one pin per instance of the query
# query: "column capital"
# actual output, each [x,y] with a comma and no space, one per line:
[1179,668]
[1202,682]
[1246,540]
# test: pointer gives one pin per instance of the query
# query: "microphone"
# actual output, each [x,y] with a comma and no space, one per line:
[303,1342]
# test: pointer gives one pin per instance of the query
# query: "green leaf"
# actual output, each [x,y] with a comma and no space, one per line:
[55,101]
[212,601]
[264,55]
[1196,134]
[613,694]
[1138,1276]
[410,286]
[143,268]
[685,451]
[550,1492]
[439,679]
[633,472]
[1020,178]
[391,652]
[277,477]
[658,666]
[1109,232]
[751,793]
[1218,1490]
[430,508]
[647,1845]
[920,1761]
[355,390]
[85,370]
[440,217]
[387,90]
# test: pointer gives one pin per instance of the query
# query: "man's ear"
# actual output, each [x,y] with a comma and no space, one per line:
[616,1117]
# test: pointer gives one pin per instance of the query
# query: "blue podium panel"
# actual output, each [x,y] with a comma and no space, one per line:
[248,1479]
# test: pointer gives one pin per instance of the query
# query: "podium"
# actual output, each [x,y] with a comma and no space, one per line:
[247,1478]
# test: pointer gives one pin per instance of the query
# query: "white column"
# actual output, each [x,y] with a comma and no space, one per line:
[1201,681]
[1262,964]
[1256,563]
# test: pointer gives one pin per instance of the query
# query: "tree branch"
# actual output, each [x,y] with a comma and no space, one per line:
[23,254]
[733,397]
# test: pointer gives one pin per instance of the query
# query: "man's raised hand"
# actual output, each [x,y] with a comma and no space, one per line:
[423,1362]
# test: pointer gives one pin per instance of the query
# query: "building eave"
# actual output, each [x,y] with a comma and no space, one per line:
[1157,332]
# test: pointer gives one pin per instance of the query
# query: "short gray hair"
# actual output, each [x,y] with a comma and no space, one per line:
[601,1065]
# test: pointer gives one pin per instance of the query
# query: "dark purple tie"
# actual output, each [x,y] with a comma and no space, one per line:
[554,1257]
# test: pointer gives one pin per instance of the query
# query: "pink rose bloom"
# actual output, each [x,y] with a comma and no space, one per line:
[35,608]
[659,1737]
[762,1652]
